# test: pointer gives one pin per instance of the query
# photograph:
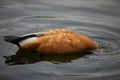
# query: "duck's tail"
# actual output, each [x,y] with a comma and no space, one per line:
[12,39]
[17,39]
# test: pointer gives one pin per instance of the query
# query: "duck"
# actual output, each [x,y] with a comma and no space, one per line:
[53,41]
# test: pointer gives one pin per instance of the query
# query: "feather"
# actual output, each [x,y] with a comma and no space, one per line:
[12,39]
[17,39]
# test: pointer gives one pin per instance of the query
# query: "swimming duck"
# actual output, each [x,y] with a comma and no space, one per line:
[55,41]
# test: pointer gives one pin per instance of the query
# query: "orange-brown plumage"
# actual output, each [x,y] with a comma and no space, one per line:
[60,41]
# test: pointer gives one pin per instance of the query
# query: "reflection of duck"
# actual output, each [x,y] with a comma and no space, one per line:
[56,41]
[25,57]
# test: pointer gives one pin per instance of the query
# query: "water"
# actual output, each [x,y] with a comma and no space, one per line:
[98,20]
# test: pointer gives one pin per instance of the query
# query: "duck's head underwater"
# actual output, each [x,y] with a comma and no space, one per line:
[55,41]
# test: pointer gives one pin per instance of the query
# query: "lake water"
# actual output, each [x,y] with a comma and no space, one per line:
[97,19]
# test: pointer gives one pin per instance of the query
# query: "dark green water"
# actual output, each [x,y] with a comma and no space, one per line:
[97,19]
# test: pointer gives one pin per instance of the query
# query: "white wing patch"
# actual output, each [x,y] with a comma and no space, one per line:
[28,41]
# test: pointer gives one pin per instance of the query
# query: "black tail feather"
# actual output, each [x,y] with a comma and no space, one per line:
[12,39]
[17,39]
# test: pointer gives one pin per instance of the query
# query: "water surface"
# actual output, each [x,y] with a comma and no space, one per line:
[99,20]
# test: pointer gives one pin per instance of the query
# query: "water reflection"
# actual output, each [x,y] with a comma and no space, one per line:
[24,57]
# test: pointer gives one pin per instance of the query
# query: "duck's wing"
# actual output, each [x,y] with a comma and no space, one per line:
[17,39]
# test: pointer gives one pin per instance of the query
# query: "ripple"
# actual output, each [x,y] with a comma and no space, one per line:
[40,17]
[98,20]
[105,35]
